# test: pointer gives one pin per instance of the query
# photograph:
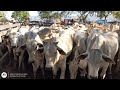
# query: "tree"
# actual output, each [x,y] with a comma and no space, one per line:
[82,15]
[3,18]
[50,14]
[2,14]
[45,14]
[15,15]
[56,15]
[116,14]
[20,14]
[103,14]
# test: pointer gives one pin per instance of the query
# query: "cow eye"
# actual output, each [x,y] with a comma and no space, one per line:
[36,47]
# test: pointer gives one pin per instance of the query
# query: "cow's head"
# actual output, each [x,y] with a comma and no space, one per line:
[95,60]
[20,49]
[14,39]
[52,53]
[6,41]
[32,46]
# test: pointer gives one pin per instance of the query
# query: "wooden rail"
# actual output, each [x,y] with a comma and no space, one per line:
[6,27]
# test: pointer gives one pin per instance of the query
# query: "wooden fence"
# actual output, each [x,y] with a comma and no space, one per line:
[6,27]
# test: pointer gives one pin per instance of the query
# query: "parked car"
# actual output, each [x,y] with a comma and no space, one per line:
[47,23]
[67,22]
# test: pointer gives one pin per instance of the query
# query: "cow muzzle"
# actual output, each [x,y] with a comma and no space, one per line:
[49,69]
[93,77]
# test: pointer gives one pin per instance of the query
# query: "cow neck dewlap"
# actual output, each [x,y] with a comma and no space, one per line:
[98,42]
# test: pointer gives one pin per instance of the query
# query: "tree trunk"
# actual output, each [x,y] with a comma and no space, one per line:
[105,19]
[84,18]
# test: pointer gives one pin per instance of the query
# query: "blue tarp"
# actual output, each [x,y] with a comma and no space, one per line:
[101,21]
[109,21]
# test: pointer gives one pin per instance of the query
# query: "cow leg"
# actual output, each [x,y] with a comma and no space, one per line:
[21,59]
[43,73]
[63,68]
[55,72]
[1,54]
[10,56]
[73,75]
[83,72]
[42,68]
[15,57]
[117,66]
[73,67]
[3,59]
[35,67]
[103,73]
[118,62]
[23,67]
[110,71]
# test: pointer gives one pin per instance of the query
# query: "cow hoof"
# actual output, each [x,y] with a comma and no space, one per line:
[61,77]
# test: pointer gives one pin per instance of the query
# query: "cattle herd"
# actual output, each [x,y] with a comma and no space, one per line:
[89,51]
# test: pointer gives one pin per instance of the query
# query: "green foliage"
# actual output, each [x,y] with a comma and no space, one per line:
[82,15]
[20,14]
[50,14]
[2,15]
[3,18]
[103,14]
[15,15]
[116,14]
[44,14]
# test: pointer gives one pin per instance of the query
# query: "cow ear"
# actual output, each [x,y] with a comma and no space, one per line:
[61,52]
[82,56]
[5,39]
[107,59]
[2,37]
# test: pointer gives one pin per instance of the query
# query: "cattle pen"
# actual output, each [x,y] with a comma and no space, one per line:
[25,51]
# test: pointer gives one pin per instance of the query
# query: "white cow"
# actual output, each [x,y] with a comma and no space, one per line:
[101,54]
[56,51]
